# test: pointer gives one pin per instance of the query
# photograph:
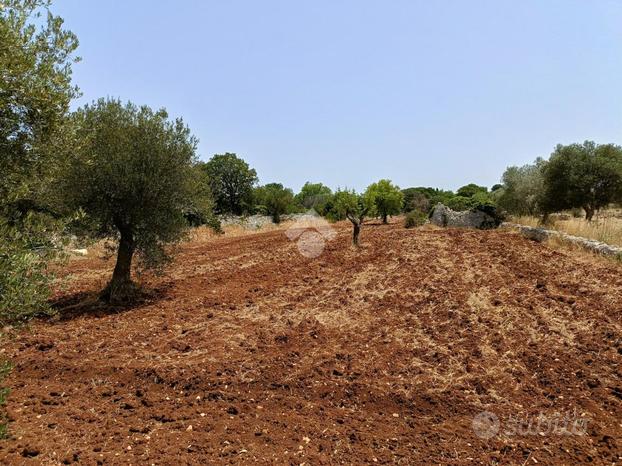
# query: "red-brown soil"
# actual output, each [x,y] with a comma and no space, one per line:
[246,351]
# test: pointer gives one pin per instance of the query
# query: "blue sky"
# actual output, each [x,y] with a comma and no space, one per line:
[434,93]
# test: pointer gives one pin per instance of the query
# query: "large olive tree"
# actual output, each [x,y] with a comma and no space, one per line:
[133,175]
[585,175]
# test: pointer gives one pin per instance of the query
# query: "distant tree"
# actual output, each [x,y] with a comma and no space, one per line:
[523,189]
[433,195]
[459,203]
[36,56]
[276,200]
[583,175]
[471,189]
[385,197]
[200,209]
[496,187]
[415,200]
[231,182]
[314,196]
[133,175]
[354,207]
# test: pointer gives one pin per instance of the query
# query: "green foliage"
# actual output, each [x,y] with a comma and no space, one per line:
[415,218]
[355,207]
[583,175]
[5,369]
[36,55]
[459,203]
[415,198]
[231,182]
[35,64]
[385,197]
[471,190]
[347,203]
[133,173]
[200,209]
[314,196]
[24,282]
[522,190]
[274,199]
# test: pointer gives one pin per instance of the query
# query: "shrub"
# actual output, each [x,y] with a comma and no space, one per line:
[23,284]
[415,219]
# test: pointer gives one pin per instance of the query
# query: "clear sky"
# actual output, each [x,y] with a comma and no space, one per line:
[436,93]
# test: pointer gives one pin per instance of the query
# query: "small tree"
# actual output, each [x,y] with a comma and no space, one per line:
[583,175]
[276,199]
[231,182]
[354,207]
[385,197]
[133,175]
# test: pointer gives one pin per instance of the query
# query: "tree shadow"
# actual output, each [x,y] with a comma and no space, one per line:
[89,304]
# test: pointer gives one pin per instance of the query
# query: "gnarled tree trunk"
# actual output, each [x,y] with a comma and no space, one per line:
[121,289]
[356,228]
[356,232]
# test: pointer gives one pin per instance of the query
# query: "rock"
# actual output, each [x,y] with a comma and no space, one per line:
[443,216]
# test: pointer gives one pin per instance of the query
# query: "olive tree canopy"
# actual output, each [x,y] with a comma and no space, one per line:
[133,175]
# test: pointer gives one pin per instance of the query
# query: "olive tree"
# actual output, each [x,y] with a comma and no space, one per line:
[133,175]
[522,190]
[355,207]
[386,198]
[585,175]
[36,55]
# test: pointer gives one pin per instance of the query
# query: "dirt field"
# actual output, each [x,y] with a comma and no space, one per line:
[250,352]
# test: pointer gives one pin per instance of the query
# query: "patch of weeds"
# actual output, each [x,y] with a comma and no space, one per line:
[5,370]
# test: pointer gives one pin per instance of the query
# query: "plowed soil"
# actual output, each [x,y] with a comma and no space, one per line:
[247,351]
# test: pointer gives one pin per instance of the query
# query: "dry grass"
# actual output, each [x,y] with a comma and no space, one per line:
[607,227]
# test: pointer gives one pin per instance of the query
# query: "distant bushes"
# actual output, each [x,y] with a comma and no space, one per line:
[416,218]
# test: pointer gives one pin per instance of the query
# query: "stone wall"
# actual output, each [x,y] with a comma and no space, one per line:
[542,234]
[443,216]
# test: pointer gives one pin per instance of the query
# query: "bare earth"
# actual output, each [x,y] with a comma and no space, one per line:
[249,352]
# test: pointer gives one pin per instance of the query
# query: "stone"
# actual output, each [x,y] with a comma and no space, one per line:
[443,216]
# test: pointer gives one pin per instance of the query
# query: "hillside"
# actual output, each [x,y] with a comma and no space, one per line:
[247,351]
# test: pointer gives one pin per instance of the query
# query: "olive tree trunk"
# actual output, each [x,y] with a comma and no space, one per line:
[120,289]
